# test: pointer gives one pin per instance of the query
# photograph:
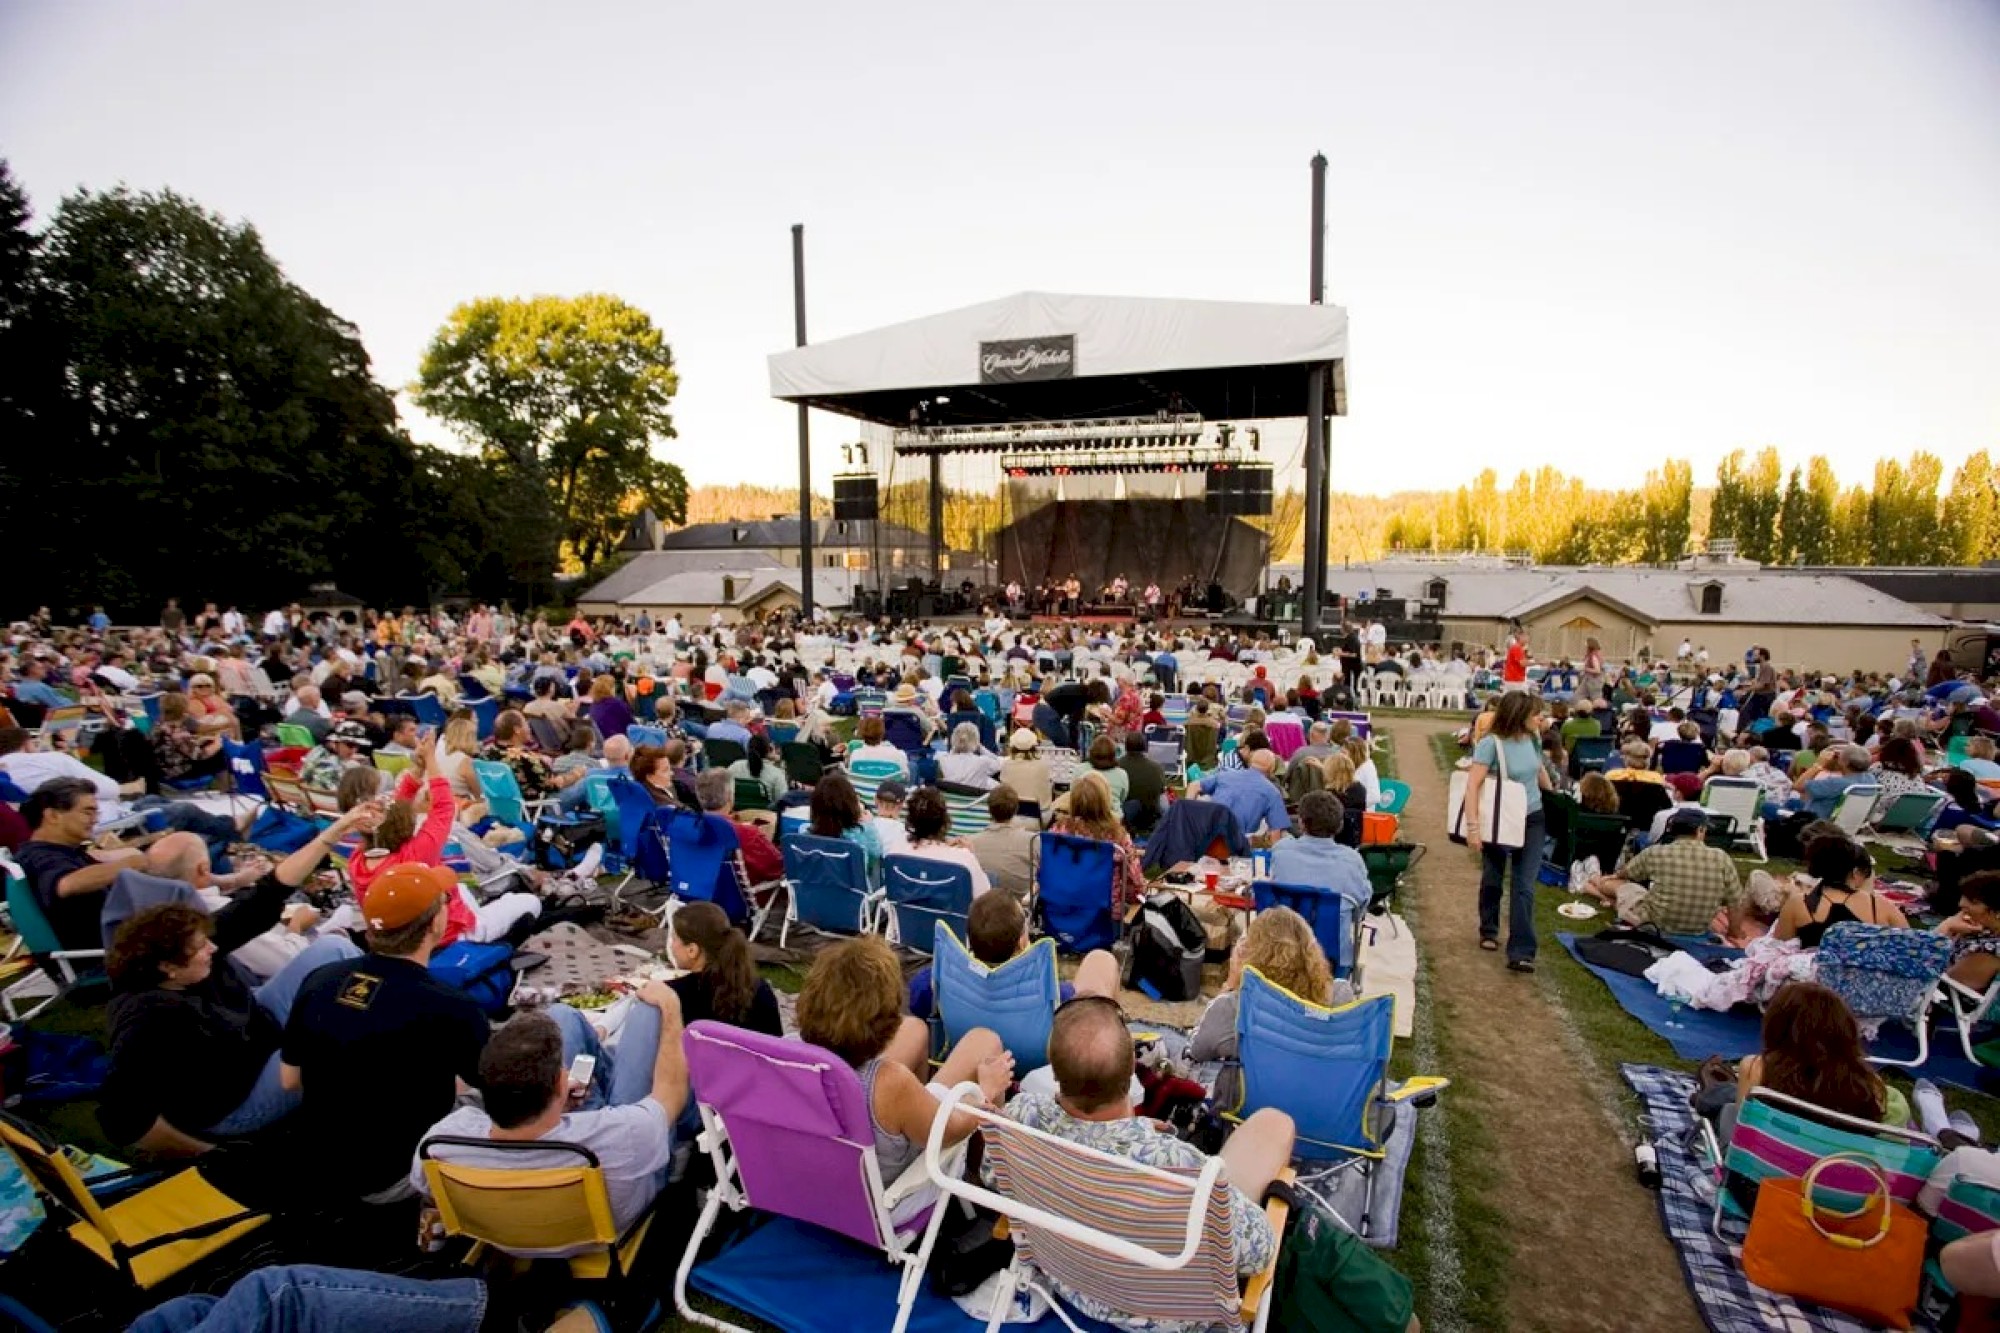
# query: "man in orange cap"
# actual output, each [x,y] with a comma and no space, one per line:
[378,1045]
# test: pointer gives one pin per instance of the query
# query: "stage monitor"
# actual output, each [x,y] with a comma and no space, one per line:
[855,498]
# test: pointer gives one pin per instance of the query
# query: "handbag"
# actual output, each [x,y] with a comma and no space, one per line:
[1504,820]
[1866,1261]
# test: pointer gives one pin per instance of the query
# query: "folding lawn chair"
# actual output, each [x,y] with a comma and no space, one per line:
[1590,754]
[826,881]
[1016,1000]
[803,764]
[485,712]
[1335,923]
[1910,812]
[1777,1136]
[291,733]
[560,1210]
[641,841]
[548,736]
[1388,863]
[1327,1068]
[427,709]
[147,1236]
[1076,884]
[644,735]
[787,1128]
[720,753]
[1734,807]
[750,794]
[246,769]
[1150,1243]
[1885,974]
[866,775]
[1395,796]
[56,971]
[705,862]
[920,895]
[1174,709]
[1851,812]
[1968,1208]
[1969,1007]
[967,808]
[504,799]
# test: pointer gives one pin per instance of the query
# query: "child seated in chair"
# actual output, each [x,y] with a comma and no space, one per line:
[996,932]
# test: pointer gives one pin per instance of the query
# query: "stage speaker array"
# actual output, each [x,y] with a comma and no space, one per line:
[855,498]
[1239,490]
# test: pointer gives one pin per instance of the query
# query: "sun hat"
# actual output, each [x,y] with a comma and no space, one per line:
[906,693]
[350,733]
[1023,739]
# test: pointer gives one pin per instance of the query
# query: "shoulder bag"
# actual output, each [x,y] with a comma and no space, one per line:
[1503,816]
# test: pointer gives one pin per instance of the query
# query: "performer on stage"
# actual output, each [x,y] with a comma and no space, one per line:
[1072,595]
[1119,587]
[1153,598]
[1013,597]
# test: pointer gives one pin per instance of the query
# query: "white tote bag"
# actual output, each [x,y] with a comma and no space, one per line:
[1503,822]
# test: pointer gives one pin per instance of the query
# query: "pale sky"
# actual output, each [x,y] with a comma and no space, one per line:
[1580,234]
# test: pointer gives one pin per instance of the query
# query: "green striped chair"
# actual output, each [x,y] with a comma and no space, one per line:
[968,812]
[1782,1137]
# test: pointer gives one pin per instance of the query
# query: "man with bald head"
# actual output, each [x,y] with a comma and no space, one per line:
[1090,1053]
[184,857]
[1251,793]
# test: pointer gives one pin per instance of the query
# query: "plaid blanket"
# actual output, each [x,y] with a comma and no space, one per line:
[1728,1301]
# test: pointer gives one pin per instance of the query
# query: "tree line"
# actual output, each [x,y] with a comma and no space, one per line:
[179,418]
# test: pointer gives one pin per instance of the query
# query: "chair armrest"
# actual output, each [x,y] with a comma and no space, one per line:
[1427,1085]
[1277,1210]
[196,1232]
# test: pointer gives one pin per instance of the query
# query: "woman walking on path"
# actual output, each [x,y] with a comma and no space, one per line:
[1516,722]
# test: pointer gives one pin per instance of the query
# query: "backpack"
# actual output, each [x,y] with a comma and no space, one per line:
[561,840]
[483,971]
[1629,951]
[1169,945]
[1329,1281]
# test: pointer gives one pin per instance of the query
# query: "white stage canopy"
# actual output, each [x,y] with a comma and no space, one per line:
[1043,356]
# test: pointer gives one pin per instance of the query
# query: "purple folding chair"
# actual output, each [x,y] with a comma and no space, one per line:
[787,1127]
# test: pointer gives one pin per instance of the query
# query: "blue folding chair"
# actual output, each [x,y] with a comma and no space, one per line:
[1076,892]
[1017,999]
[426,707]
[1328,1069]
[640,735]
[827,882]
[640,841]
[246,768]
[705,861]
[904,730]
[1334,921]
[918,895]
[485,712]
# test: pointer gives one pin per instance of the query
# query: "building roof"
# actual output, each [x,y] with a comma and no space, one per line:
[831,587]
[784,532]
[1749,597]
[649,567]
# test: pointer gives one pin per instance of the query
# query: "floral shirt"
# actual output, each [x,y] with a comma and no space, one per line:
[1144,1142]
[531,771]
[176,749]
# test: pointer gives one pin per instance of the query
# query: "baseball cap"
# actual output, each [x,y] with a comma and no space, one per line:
[892,791]
[1022,739]
[350,733]
[402,893]
[1685,819]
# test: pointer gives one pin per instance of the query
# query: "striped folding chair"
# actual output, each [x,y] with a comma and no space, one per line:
[1779,1136]
[967,809]
[1968,1208]
[1107,1233]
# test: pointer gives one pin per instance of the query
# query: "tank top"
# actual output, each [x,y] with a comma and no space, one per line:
[894,1154]
[1810,933]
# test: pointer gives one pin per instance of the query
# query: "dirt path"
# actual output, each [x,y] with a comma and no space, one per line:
[1589,1252]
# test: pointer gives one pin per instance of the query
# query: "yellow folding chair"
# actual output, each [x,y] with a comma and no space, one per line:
[149,1235]
[533,1212]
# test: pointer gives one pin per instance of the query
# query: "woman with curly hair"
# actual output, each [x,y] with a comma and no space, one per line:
[1283,949]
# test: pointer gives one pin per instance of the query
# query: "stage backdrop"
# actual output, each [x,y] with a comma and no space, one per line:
[1144,527]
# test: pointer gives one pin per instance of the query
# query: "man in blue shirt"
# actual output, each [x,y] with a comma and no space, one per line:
[1315,858]
[34,688]
[731,727]
[1251,795]
[1838,769]
[98,622]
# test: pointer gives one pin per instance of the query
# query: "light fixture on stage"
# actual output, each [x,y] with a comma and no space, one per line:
[1256,440]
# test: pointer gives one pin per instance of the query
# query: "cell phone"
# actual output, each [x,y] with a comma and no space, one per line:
[580,1071]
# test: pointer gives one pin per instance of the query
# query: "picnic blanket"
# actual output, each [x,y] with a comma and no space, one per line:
[1738,1032]
[1728,1301]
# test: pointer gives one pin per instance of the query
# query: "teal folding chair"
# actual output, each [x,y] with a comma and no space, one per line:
[57,969]
[1777,1136]
[1395,795]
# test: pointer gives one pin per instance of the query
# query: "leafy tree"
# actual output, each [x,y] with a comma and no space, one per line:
[1971,515]
[217,429]
[1665,503]
[27,385]
[566,396]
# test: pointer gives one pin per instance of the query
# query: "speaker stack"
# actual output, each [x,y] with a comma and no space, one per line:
[855,498]
[1239,490]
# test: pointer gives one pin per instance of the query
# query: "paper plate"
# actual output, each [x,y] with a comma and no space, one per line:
[1576,911]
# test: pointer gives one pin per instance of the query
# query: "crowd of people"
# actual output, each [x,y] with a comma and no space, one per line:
[255,1005]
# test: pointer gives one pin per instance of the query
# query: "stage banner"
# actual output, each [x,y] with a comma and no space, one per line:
[1018,360]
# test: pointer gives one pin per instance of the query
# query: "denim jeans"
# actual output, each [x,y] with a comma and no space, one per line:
[1527,859]
[218,831]
[305,1298]
[622,1079]
[267,1101]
